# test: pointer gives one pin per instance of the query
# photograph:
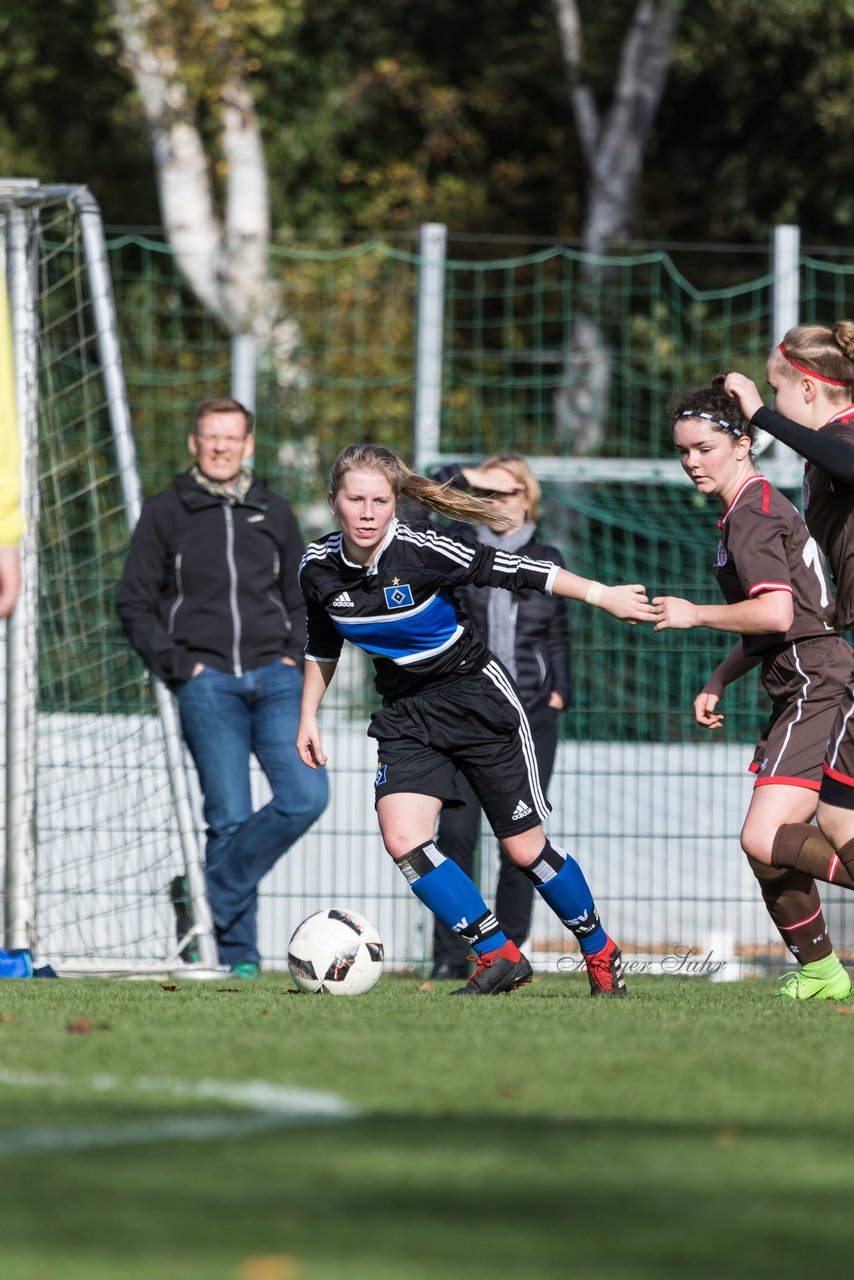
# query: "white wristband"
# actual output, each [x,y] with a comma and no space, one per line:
[594,593]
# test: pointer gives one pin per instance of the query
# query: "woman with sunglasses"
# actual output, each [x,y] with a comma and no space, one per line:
[529,633]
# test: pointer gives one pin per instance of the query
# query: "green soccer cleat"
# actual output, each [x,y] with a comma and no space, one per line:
[819,980]
[246,971]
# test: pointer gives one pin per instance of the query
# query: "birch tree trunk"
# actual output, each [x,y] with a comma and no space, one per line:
[223,256]
[613,146]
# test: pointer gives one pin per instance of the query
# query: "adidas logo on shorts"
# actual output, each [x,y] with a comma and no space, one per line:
[342,601]
[522,810]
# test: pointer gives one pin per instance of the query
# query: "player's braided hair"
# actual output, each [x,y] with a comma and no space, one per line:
[714,405]
[826,352]
[443,498]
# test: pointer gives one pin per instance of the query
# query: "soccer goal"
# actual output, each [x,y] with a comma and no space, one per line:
[92,836]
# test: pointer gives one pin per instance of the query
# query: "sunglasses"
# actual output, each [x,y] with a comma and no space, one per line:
[496,495]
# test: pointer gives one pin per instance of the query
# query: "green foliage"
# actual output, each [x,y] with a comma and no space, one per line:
[66,113]
[379,114]
[755,127]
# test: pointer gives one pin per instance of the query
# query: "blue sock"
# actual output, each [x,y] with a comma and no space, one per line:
[560,883]
[449,893]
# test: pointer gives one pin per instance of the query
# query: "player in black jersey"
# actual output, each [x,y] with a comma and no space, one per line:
[778,604]
[448,704]
[811,376]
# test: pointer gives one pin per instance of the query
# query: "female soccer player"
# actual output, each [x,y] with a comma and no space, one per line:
[770,576]
[448,704]
[811,374]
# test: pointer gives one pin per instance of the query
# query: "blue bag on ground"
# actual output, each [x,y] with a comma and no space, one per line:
[16,964]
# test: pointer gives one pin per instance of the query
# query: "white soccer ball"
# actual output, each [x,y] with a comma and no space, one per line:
[337,953]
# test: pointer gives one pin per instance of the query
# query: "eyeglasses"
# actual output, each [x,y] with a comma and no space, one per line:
[498,495]
[231,442]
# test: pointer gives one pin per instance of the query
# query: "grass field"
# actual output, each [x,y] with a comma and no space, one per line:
[692,1130]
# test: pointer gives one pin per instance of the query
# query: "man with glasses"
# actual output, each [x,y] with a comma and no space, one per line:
[209,598]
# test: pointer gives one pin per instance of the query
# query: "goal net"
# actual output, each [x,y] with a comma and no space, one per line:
[92,836]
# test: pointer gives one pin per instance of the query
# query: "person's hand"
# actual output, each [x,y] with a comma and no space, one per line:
[704,708]
[556,700]
[10,579]
[673,614]
[628,602]
[745,392]
[308,744]
[197,670]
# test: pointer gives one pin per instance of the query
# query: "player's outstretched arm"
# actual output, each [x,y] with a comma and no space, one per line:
[766,614]
[316,680]
[628,601]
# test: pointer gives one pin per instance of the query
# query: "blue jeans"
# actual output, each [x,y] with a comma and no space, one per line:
[226,718]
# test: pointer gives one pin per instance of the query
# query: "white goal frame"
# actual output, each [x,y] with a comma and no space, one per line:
[22,206]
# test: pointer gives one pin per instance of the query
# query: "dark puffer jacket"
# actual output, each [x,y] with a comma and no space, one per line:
[214,581]
[541,623]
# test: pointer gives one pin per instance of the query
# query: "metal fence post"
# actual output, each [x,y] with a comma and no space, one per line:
[432,242]
[787,293]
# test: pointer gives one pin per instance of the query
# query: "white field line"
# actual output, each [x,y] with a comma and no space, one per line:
[270,1106]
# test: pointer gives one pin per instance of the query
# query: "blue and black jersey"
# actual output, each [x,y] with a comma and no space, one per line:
[400,609]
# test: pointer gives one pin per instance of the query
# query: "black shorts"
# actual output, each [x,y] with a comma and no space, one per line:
[476,725]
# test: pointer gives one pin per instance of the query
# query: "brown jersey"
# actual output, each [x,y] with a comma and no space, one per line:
[765,546]
[829,513]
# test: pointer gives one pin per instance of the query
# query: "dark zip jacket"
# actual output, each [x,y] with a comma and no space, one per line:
[541,626]
[213,580]
[540,622]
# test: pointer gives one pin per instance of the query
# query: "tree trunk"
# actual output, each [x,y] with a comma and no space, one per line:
[613,149]
[223,258]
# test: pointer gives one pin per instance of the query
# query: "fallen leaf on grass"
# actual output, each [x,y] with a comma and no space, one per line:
[83,1027]
[7,1017]
[168,986]
[268,1267]
[845,1010]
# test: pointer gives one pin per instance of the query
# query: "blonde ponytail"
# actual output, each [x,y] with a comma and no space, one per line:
[445,499]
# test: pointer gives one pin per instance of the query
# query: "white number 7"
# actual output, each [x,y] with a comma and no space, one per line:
[812,560]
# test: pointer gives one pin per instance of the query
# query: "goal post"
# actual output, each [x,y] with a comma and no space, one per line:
[91,843]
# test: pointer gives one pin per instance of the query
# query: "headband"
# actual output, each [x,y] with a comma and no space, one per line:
[834,382]
[710,417]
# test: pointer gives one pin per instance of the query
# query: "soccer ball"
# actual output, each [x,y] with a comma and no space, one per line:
[335,952]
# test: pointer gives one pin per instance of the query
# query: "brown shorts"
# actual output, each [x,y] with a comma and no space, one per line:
[837,786]
[807,682]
